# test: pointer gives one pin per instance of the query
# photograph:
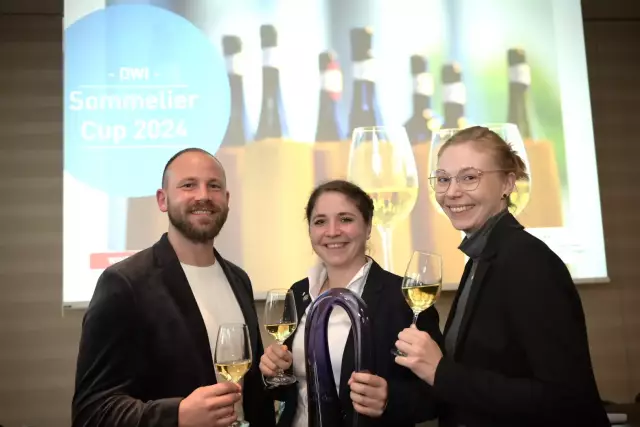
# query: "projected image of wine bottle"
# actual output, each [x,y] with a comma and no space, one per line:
[232,151]
[328,126]
[381,160]
[447,238]
[364,109]
[454,97]
[331,149]
[237,131]
[540,205]
[272,122]
[420,127]
[277,180]
[423,121]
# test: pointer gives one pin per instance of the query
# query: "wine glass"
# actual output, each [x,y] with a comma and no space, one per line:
[233,354]
[507,131]
[422,284]
[381,161]
[280,320]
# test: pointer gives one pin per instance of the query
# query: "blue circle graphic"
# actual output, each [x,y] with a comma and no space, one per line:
[141,83]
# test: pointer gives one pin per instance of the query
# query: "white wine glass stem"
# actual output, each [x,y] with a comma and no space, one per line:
[415,318]
[280,371]
[385,235]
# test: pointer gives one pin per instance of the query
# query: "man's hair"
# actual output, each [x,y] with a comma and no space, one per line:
[180,153]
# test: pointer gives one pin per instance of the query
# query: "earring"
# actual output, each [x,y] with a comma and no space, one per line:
[504,196]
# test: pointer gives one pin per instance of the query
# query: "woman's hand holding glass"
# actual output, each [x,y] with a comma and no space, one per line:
[421,285]
[422,353]
[276,358]
[280,321]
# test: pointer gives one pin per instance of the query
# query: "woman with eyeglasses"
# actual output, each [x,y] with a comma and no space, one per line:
[516,351]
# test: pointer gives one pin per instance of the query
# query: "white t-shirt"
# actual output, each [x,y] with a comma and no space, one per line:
[337,334]
[215,298]
[217,304]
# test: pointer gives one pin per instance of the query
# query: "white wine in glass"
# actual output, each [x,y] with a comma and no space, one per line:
[280,321]
[233,354]
[422,284]
[381,161]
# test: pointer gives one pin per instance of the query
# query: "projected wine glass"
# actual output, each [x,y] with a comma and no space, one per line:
[511,134]
[522,193]
[422,284]
[381,161]
[232,357]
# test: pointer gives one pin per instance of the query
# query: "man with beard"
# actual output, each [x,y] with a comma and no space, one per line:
[148,336]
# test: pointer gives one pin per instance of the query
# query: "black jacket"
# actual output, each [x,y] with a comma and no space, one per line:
[521,355]
[409,399]
[144,345]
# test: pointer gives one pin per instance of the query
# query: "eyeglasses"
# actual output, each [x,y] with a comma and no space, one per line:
[467,180]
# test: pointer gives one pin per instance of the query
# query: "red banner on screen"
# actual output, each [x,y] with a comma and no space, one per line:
[100,261]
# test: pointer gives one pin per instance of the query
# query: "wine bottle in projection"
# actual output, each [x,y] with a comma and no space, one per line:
[277,179]
[364,109]
[232,151]
[392,203]
[237,133]
[420,127]
[331,150]
[273,123]
[446,237]
[423,120]
[454,97]
[328,126]
[544,208]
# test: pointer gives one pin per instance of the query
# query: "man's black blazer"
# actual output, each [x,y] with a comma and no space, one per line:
[409,400]
[144,346]
[521,356]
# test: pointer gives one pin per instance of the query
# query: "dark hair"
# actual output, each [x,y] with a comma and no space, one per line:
[504,154]
[180,153]
[357,195]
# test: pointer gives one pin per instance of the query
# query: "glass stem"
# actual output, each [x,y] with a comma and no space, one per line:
[415,318]
[385,234]
[237,407]
[280,371]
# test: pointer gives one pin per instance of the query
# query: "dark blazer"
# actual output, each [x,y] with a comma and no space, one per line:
[409,400]
[522,356]
[144,345]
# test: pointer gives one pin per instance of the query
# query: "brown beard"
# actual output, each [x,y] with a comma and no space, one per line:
[202,234]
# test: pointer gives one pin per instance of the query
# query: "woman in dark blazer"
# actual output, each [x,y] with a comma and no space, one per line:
[516,350]
[339,215]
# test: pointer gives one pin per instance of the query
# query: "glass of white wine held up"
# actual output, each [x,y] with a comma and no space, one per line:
[233,354]
[422,284]
[381,161]
[280,321]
